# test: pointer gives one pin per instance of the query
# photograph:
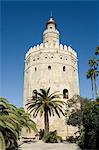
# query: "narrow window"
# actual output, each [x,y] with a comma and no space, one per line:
[35,69]
[65,94]
[49,67]
[34,95]
[63,68]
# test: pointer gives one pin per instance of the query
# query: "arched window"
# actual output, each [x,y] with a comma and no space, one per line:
[49,67]
[34,94]
[65,94]
[63,68]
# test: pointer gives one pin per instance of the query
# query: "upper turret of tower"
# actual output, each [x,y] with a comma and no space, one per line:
[51,24]
[51,34]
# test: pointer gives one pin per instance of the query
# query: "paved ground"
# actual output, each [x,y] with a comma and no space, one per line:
[48,146]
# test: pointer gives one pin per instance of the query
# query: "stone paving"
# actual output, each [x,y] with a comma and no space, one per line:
[48,146]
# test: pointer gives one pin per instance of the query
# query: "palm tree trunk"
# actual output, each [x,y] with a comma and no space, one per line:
[46,121]
[92,87]
[95,86]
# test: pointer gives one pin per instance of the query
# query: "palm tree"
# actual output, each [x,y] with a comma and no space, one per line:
[97,50]
[93,74]
[2,141]
[89,75]
[93,63]
[25,121]
[12,120]
[45,104]
[9,124]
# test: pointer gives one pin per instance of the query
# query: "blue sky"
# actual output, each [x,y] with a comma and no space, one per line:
[22,25]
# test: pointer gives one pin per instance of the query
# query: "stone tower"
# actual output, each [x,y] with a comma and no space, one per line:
[51,64]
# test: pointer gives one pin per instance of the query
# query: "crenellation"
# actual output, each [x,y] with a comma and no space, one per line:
[71,50]
[34,48]
[65,47]
[38,47]
[48,46]
[41,46]
[61,47]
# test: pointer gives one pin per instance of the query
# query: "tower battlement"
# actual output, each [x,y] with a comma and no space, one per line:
[56,47]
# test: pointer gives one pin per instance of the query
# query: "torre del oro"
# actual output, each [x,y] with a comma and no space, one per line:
[52,64]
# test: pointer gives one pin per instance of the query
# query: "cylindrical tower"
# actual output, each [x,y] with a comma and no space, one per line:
[51,64]
[51,34]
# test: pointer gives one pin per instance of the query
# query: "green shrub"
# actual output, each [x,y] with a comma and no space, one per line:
[52,137]
[72,139]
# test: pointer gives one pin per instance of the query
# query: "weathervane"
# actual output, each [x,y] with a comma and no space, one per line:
[51,13]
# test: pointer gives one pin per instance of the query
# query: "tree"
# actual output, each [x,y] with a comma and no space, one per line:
[89,75]
[93,63]
[87,118]
[76,104]
[92,74]
[9,124]
[46,104]
[90,137]
[12,120]
[25,121]
[97,50]
[75,118]
[2,141]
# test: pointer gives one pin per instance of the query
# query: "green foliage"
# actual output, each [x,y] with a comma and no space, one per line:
[90,137]
[97,50]
[9,123]
[25,121]
[52,137]
[87,118]
[75,118]
[97,99]
[12,120]
[45,104]
[72,139]
[93,73]
[2,141]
